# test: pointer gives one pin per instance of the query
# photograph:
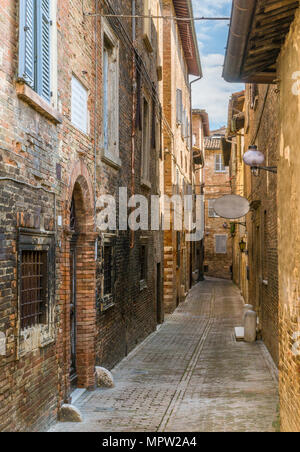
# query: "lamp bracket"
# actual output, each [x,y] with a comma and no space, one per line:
[271,169]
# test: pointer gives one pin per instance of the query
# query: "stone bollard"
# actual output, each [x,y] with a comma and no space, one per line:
[250,326]
[247,307]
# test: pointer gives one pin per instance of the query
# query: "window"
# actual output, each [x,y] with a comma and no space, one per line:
[211,210]
[146,141]
[178,253]
[105,272]
[179,106]
[219,164]
[79,107]
[147,37]
[110,96]
[221,244]
[36,289]
[35,46]
[108,270]
[33,297]
[143,261]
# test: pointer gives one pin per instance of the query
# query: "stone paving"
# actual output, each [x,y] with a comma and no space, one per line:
[189,376]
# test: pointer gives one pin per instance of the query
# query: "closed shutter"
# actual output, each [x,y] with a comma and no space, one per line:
[179,106]
[105,96]
[79,105]
[211,210]
[43,49]
[221,244]
[26,41]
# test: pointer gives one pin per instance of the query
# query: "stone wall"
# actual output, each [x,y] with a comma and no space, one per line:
[288,231]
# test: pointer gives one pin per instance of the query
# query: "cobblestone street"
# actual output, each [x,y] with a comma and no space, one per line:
[191,375]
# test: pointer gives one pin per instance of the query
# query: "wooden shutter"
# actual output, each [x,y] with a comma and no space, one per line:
[105,96]
[179,106]
[26,41]
[79,105]
[221,244]
[211,210]
[43,49]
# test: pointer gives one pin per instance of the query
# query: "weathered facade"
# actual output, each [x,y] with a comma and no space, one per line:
[259,283]
[274,127]
[217,242]
[200,131]
[180,59]
[81,117]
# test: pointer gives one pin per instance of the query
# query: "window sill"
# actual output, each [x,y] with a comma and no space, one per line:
[29,96]
[143,285]
[148,43]
[107,304]
[146,183]
[111,160]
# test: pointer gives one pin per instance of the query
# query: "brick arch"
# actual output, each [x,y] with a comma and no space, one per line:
[81,177]
[80,185]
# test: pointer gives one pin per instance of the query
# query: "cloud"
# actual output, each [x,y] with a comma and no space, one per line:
[212,93]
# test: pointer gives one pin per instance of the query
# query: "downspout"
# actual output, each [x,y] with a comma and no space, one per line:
[133,134]
[192,154]
[95,116]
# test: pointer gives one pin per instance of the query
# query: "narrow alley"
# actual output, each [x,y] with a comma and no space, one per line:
[189,376]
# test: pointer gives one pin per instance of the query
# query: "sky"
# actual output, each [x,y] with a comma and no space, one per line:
[212,93]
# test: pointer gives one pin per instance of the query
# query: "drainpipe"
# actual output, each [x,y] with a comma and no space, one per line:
[95,116]
[133,6]
[241,19]
[191,145]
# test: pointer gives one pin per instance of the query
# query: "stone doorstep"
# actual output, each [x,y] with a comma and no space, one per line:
[239,333]
[76,394]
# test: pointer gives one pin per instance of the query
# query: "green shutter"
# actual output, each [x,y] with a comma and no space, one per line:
[43,49]
[26,41]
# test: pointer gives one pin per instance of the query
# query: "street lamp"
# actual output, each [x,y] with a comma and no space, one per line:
[255,159]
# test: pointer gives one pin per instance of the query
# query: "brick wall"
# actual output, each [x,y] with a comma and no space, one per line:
[177,161]
[262,221]
[53,154]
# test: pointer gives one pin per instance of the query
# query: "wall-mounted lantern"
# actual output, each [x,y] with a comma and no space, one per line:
[255,159]
[243,245]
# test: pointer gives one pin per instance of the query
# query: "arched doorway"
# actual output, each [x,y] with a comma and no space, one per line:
[80,284]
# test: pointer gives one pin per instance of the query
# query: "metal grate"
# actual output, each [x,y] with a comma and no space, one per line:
[107,270]
[33,288]
[143,258]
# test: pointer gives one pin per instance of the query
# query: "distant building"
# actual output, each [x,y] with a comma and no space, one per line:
[217,242]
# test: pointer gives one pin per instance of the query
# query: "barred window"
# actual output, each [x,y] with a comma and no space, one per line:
[143,261]
[33,296]
[108,270]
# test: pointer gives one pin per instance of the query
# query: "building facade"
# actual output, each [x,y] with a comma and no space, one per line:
[217,242]
[200,131]
[180,59]
[81,117]
[274,115]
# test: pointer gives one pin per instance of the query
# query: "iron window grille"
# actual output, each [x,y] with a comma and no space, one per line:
[108,269]
[33,288]
[36,277]
[106,272]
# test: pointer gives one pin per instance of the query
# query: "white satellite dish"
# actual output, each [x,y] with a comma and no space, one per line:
[231,207]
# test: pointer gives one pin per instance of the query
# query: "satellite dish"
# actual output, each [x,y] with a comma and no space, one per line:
[231,207]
